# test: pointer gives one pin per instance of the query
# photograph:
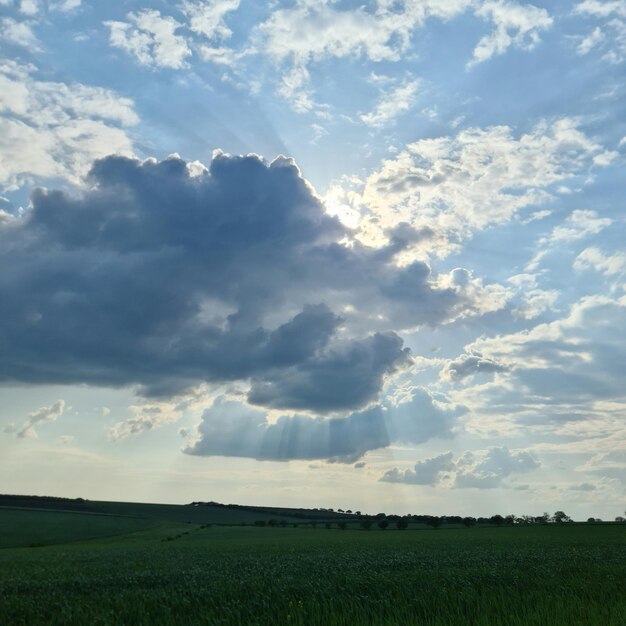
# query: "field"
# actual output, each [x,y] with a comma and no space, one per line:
[141,570]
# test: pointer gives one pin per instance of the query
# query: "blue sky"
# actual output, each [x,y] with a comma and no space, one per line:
[359,255]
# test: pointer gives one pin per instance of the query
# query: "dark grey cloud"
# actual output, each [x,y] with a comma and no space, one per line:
[157,278]
[230,428]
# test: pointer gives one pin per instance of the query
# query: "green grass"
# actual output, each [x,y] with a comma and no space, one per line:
[188,574]
[27,527]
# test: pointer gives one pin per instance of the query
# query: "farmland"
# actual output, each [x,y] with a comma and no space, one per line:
[115,569]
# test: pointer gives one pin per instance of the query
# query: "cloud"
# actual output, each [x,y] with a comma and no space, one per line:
[456,185]
[590,41]
[43,414]
[230,428]
[297,36]
[469,365]
[55,130]
[144,417]
[563,378]
[392,104]
[609,38]
[18,34]
[427,472]
[579,224]
[65,6]
[516,25]
[485,470]
[206,17]
[608,264]
[151,39]
[164,275]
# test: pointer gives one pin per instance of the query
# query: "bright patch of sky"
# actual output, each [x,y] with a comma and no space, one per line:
[421,301]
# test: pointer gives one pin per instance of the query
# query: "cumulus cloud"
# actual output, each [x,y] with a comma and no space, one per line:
[165,276]
[487,471]
[230,428]
[55,130]
[18,34]
[469,365]
[427,472]
[44,414]
[608,264]
[151,38]
[480,177]
[483,470]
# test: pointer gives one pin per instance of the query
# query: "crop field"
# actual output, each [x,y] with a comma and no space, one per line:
[185,573]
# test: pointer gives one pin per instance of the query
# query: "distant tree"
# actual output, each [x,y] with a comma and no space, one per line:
[509,520]
[349,511]
[283,523]
[259,522]
[434,522]
[402,524]
[357,512]
[559,517]
[382,524]
[468,522]
[328,525]
[590,520]
[498,520]
[342,525]
[619,518]
[366,524]
[271,522]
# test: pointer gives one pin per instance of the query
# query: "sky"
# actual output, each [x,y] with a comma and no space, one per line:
[317,253]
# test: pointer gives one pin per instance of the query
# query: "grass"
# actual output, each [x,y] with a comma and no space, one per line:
[176,573]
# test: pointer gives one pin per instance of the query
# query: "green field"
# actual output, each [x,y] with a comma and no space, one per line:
[142,570]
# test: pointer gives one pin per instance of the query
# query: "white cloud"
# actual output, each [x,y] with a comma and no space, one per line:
[515,25]
[144,417]
[602,8]
[579,224]
[18,34]
[392,104]
[310,32]
[608,264]
[609,38]
[43,414]
[206,17]
[29,7]
[482,176]
[52,129]
[65,6]
[151,39]
[590,41]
